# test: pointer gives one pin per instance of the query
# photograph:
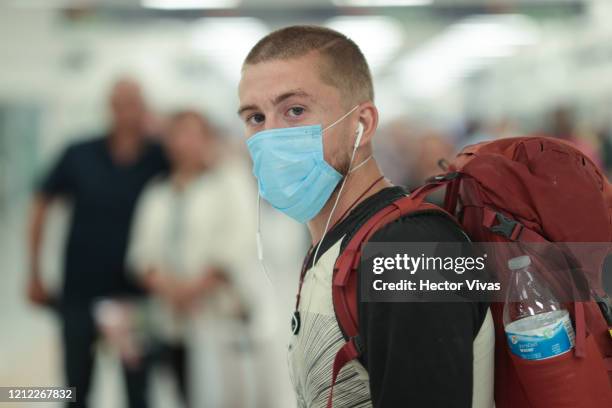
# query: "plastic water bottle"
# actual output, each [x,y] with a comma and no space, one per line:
[537,327]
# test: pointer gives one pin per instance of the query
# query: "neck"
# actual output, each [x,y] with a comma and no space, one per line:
[182,176]
[356,184]
[125,145]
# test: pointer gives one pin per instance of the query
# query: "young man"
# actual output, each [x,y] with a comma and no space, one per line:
[415,354]
[102,178]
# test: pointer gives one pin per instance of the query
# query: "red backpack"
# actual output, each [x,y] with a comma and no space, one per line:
[528,189]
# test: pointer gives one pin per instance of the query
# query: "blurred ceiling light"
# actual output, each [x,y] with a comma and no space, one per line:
[48,4]
[189,4]
[471,44]
[226,41]
[378,37]
[381,3]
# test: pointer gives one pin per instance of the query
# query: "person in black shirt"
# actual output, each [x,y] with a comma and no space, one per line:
[102,178]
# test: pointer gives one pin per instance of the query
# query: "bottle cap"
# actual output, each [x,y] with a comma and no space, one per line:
[519,262]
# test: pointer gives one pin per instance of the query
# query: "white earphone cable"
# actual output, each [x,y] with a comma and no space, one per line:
[314,259]
[260,251]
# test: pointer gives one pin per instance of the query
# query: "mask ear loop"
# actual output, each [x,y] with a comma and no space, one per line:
[342,117]
[258,239]
[355,146]
[354,169]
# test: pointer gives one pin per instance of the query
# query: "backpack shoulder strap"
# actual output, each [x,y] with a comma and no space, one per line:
[344,282]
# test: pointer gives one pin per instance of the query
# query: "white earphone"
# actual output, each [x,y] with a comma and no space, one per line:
[359,135]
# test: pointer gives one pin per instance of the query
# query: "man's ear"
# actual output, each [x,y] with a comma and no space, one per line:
[368,118]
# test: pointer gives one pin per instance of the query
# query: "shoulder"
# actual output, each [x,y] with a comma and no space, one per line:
[157,187]
[154,149]
[78,153]
[155,195]
[422,226]
[84,146]
[88,144]
[155,156]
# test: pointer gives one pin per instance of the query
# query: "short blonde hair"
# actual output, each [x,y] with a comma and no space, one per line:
[344,65]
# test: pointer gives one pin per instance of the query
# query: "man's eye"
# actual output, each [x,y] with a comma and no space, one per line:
[296,111]
[256,119]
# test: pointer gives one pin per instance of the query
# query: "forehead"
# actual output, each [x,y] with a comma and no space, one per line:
[190,125]
[188,122]
[126,90]
[265,80]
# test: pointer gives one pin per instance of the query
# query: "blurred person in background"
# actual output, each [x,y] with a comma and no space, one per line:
[102,178]
[429,149]
[562,125]
[410,154]
[394,150]
[190,236]
[605,141]
[505,127]
[475,131]
[481,130]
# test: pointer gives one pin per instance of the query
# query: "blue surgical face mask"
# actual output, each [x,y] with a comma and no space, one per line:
[291,172]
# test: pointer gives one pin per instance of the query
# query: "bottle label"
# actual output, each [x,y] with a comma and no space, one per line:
[528,338]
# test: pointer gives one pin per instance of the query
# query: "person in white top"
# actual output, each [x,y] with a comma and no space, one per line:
[190,245]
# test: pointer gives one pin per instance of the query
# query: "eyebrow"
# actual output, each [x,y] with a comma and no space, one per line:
[289,94]
[245,108]
[280,98]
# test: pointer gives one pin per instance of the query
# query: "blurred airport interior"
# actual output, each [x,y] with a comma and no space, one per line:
[447,73]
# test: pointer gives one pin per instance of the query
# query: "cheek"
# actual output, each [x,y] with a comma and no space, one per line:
[130,111]
[335,151]
[192,144]
[248,132]
[180,146]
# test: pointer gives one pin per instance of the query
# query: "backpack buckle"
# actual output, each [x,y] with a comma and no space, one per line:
[443,177]
[506,226]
